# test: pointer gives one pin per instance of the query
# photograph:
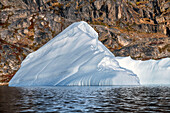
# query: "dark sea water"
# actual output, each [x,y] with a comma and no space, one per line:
[85,99]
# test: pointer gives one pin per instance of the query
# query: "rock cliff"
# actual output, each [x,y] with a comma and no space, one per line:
[136,28]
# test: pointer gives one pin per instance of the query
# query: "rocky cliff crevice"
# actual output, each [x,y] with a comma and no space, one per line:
[136,28]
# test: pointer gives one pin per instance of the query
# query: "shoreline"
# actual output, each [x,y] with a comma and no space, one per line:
[4,84]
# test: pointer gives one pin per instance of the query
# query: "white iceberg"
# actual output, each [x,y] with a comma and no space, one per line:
[74,57]
[150,71]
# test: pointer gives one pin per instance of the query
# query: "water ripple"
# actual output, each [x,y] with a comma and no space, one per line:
[85,99]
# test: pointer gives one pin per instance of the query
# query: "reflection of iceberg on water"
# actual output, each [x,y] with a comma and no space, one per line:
[74,57]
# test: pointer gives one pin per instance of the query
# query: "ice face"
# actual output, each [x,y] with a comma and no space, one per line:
[74,57]
[150,71]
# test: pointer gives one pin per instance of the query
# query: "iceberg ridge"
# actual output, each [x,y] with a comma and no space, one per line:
[150,72]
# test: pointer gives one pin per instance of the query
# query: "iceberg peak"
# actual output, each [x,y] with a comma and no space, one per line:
[74,57]
[80,26]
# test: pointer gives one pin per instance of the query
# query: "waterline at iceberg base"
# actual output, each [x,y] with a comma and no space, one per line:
[74,57]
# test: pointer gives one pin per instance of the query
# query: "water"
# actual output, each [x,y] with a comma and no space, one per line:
[85,99]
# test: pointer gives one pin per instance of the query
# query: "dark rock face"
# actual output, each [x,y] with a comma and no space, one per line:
[136,28]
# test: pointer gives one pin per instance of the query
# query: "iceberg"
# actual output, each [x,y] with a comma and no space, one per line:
[150,72]
[74,57]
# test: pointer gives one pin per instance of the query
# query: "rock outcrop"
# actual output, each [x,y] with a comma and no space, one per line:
[136,28]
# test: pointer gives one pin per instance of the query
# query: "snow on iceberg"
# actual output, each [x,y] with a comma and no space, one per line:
[74,57]
[150,71]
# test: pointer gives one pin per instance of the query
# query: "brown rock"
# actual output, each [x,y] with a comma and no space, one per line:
[123,41]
